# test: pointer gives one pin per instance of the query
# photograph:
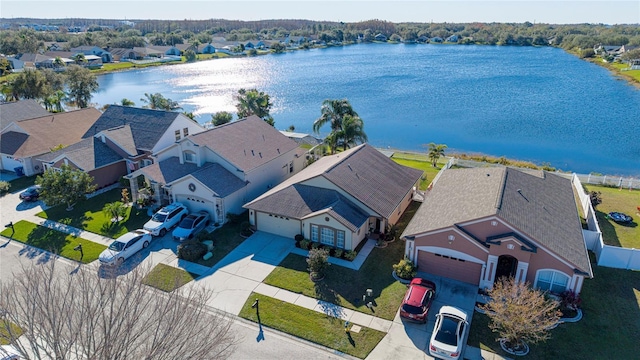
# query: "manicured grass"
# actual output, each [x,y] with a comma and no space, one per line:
[608,330]
[4,333]
[633,74]
[621,200]
[167,278]
[345,287]
[311,325]
[225,239]
[88,215]
[430,172]
[54,241]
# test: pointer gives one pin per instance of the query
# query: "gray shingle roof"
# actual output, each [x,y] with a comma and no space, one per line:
[246,143]
[544,208]
[20,110]
[147,126]
[218,179]
[11,141]
[168,170]
[88,154]
[298,201]
[123,137]
[364,173]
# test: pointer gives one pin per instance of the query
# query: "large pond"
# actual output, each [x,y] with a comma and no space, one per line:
[537,104]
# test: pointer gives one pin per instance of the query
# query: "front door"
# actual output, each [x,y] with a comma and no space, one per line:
[506,267]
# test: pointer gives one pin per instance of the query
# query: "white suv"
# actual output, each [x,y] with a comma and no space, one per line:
[166,218]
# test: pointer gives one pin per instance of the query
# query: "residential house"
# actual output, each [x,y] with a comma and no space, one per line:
[147,52]
[31,60]
[436,39]
[22,142]
[19,110]
[105,55]
[122,54]
[301,138]
[480,224]
[338,200]
[17,65]
[380,37]
[167,50]
[220,169]
[607,49]
[206,49]
[453,38]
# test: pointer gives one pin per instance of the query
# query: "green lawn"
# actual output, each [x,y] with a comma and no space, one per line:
[626,201]
[167,278]
[609,328]
[345,287]
[20,183]
[311,325]
[416,162]
[4,333]
[225,239]
[88,215]
[54,241]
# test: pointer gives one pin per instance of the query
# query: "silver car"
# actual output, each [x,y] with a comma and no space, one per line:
[447,339]
[125,246]
[191,225]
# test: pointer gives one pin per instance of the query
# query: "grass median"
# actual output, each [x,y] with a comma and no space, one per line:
[54,241]
[311,325]
[167,278]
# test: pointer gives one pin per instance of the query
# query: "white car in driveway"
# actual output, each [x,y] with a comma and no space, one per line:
[447,339]
[166,218]
[125,246]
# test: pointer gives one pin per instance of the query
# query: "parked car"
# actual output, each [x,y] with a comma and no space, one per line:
[166,218]
[32,193]
[191,225]
[417,301]
[125,246]
[447,339]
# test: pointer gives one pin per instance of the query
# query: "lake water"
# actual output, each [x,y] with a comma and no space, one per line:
[537,104]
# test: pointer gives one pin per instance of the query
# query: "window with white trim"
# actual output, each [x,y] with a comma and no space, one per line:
[146,162]
[314,233]
[327,236]
[340,239]
[185,132]
[189,156]
[552,280]
[177,132]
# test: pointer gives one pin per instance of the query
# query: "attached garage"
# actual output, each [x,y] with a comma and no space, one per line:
[449,267]
[279,225]
[195,203]
[9,163]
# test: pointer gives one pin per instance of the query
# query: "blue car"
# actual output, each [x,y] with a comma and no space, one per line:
[191,225]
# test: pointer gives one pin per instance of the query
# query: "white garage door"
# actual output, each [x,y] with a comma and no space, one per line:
[8,163]
[282,226]
[449,267]
[195,204]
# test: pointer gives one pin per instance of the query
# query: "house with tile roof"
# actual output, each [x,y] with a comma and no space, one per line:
[339,199]
[480,224]
[23,141]
[220,169]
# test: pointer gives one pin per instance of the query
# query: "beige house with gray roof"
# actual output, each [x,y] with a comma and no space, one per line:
[339,199]
[477,225]
[220,169]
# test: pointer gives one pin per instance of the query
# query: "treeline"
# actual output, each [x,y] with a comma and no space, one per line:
[114,33]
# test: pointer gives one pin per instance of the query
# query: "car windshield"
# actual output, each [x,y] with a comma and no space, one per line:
[412,309]
[447,332]
[187,223]
[116,246]
[159,217]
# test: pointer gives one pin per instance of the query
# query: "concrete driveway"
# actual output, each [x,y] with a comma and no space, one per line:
[407,340]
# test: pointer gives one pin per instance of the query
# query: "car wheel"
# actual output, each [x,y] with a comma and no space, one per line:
[163,232]
[119,261]
[146,243]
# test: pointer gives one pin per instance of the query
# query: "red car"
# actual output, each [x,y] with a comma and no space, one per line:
[417,301]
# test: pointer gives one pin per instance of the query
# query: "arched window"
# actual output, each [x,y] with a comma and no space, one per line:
[551,280]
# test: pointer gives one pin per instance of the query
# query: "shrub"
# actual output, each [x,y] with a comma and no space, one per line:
[570,300]
[405,269]
[304,244]
[315,245]
[338,253]
[203,235]
[350,255]
[4,186]
[299,237]
[233,218]
[191,250]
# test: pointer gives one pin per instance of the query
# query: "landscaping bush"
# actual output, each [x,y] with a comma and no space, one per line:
[299,237]
[318,261]
[4,186]
[570,300]
[203,235]
[350,255]
[338,253]
[304,244]
[405,269]
[191,250]
[315,246]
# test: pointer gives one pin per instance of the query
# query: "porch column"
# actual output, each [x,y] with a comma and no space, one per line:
[133,183]
[521,272]
[409,250]
[490,275]
[157,195]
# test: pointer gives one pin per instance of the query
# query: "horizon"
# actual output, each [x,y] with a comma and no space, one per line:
[619,12]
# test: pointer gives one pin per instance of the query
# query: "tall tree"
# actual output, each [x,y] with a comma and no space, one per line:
[81,84]
[333,113]
[254,102]
[159,102]
[30,84]
[80,314]
[351,132]
[66,186]
[126,102]
[435,152]
[221,118]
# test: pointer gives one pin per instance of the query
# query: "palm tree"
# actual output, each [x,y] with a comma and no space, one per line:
[352,132]
[126,102]
[58,63]
[80,59]
[8,92]
[435,152]
[254,102]
[157,101]
[332,112]
[57,98]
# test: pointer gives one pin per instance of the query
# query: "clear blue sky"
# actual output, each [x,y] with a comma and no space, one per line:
[553,12]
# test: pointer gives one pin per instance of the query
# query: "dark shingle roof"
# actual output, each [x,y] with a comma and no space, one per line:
[147,126]
[246,143]
[88,154]
[168,170]
[298,201]
[20,110]
[539,204]
[11,141]
[218,179]
[123,137]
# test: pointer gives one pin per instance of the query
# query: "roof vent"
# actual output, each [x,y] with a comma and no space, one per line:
[519,190]
[349,165]
[488,174]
